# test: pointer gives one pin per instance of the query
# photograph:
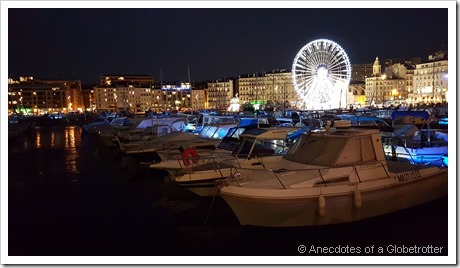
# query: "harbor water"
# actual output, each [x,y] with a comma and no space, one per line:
[70,195]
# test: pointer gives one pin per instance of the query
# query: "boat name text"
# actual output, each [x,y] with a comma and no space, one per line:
[408,176]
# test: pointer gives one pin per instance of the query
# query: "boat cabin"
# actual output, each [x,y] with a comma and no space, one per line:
[338,148]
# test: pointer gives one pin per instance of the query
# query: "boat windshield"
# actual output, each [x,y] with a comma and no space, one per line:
[331,150]
[255,147]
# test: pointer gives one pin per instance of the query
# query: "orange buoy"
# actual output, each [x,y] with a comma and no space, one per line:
[186,155]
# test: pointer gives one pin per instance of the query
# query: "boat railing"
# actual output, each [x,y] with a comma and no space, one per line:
[425,158]
[323,177]
[190,163]
[414,144]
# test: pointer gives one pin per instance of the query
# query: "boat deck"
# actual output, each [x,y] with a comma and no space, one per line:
[397,167]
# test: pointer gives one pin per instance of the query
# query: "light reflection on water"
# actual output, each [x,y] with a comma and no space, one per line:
[72,138]
[68,138]
[38,140]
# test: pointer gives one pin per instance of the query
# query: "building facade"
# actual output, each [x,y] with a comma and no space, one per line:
[271,90]
[129,93]
[388,88]
[177,96]
[130,99]
[219,94]
[199,99]
[430,80]
[33,96]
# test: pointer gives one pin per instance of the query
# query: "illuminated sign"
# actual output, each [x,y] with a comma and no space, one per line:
[183,86]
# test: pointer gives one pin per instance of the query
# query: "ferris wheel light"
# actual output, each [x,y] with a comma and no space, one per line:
[321,72]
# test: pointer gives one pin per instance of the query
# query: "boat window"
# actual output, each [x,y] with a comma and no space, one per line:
[328,153]
[243,147]
[304,150]
[262,148]
[208,131]
[238,132]
[228,143]
[221,132]
[268,147]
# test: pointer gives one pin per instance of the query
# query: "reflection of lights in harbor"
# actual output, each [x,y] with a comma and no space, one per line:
[52,140]
[71,138]
[38,139]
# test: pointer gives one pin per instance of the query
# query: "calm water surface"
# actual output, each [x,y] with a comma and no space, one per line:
[71,195]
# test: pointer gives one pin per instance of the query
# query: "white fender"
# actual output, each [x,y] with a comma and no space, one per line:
[322,205]
[357,198]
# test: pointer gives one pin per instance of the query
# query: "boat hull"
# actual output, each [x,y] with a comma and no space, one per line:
[334,204]
[206,184]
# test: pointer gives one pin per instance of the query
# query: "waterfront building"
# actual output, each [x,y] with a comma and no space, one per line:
[199,99]
[130,99]
[409,84]
[246,85]
[219,94]
[130,93]
[89,101]
[157,99]
[280,92]
[271,90]
[383,89]
[34,96]
[430,80]
[177,96]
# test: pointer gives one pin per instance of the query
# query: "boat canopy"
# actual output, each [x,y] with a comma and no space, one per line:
[338,149]
[421,114]
[271,133]
[356,119]
[149,122]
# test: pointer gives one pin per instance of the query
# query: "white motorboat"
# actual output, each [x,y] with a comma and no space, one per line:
[196,125]
[329,178]
[101,123]
[414,140]
[426,146]
[107,133]
[146,151]
[256,148]
[150,128]
[226,144]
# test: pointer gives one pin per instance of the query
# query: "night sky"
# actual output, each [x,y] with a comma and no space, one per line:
[214,43]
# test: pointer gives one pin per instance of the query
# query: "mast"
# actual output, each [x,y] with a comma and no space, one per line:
[161,88]
[189,83]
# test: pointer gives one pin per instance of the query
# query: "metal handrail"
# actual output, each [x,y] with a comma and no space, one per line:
[319,170]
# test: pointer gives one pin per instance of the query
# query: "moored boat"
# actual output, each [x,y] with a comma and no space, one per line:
[330,178]
[255,149]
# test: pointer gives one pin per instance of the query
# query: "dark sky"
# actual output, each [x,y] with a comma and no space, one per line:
[215,43]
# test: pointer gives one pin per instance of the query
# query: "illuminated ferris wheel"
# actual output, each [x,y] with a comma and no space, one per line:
[321,73]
